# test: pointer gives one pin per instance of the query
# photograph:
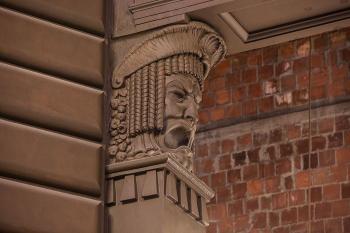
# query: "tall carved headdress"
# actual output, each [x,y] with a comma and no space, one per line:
[139,84]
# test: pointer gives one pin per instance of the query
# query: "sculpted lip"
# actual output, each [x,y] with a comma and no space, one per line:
[178,135]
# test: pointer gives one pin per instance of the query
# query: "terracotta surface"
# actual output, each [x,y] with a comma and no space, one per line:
[65,52]
[27,208]
[86,14]
[50,158]
[50,102]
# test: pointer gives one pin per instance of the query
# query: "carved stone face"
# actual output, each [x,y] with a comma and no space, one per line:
[182,98]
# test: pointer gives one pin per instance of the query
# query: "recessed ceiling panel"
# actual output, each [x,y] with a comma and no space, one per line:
[269,14]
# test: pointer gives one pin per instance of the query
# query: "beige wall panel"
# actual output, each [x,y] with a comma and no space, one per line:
[26,208]
[51,102]
[50,158]
[52,48]
[87,14]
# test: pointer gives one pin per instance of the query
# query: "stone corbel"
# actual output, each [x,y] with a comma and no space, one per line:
[156,91]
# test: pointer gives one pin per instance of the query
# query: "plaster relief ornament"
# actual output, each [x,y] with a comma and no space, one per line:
[157,90]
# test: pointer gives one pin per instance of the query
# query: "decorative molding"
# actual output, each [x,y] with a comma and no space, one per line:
[248,37]
[163,161]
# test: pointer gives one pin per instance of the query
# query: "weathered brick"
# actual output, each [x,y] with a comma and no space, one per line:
[293,131]
[239,94]
[265,203]
[249,75]
[233,111]
[279,200]
[302,179]
[286,50]
[203,117]
[235,208]
[239,190]
[217,83]
[316,194]
[249,107]
[233,175]
[250,172]
[317,93]
[275,135]
[289,216]
[300,65]
[302,146]
[320,42]
[333,225]
[326,158]
[274,219]
[270,87]
[326,125]
[223,194]
[284,68]
[225,162]
[253,155]
[310,161]
[286,149]
[217,212]
[239,158]
[303,47]
[288,182]
[244,140]
[222,68]
[283,166]
[331,192]
[259,220]
[303,213]
[265,104]
[254,90]
[260,138]
[272,184]
[217,114]
[288,83]
[341,208]
[218,179]
[335,140]
[208,100]
[241,223]
[222,96]
[346,224]
[202,150]
[345,190]
[265,72]
[252,204]
[270,54]
[267,170]
[317,227]
[347,137]
[297,197]
[227,145]
[342,155]
[323,210]
[255,187]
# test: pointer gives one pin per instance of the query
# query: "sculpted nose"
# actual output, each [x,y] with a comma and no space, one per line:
[191,112]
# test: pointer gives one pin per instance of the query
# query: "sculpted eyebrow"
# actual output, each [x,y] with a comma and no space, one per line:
[178,85]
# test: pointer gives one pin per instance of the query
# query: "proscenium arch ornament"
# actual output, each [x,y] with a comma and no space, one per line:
[157,89]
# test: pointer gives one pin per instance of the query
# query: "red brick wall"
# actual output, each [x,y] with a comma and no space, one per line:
[253,143]
[274,79]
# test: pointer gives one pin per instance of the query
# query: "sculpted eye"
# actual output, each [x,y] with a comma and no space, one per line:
[180,96]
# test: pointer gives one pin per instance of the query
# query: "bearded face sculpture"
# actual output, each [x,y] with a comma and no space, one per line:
[157,91]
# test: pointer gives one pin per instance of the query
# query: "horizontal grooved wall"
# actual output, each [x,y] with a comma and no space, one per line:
[51,116]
